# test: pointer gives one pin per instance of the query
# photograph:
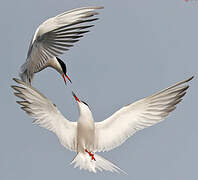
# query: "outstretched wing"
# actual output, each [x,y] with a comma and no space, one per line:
[46,114]
[57,34]
[146,112]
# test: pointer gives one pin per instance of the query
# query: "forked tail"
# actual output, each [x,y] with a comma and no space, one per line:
[24,75]
[84,161]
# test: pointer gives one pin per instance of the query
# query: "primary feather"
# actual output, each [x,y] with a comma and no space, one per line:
[99,136]
[146,112]
[46,114]
[55,36]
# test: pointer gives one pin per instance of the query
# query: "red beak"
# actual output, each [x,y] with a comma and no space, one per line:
[76,98]
[65,75]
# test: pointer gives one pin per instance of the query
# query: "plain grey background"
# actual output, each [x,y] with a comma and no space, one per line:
[136,48]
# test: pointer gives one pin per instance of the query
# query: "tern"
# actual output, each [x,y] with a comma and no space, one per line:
[87,137]
[52,38]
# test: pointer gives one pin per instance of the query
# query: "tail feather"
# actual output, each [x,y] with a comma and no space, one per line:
[84,161]
[24,75]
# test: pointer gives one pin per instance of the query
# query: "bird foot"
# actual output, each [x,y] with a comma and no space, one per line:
[90,154]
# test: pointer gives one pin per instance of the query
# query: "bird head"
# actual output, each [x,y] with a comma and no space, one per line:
[63,70]
[83,106]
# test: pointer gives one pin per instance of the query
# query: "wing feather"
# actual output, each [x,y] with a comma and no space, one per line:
[46,114]
[52,36]
[146,112]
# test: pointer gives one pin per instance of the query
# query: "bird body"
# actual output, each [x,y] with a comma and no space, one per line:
[85,131]
[53,37]
[24,74]
[87,137]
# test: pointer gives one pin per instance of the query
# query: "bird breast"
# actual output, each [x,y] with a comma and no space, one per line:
[85,134]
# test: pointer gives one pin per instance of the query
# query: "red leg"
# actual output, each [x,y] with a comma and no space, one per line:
[90,154]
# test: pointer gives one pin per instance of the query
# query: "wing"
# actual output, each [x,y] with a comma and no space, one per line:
[58,34]
[46,114]
[146,112]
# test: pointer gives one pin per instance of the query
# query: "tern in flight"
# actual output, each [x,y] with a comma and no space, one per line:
[87,137]
[52,38]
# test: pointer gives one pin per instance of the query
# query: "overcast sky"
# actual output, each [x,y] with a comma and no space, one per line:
[136,48]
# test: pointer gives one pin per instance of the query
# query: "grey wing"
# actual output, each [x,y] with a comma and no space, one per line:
[46,114]
[55,36]
[146,112]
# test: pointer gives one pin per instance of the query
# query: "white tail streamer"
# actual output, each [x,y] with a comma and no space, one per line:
[84,161]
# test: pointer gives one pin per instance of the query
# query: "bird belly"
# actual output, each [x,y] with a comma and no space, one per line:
[85,136]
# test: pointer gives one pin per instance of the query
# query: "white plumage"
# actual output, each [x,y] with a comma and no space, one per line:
[86,137]
[53,37]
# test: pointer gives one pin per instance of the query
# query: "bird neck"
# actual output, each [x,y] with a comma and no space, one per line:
[85,114]
[55,64]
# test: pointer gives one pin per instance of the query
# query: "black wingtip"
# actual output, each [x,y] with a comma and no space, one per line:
[14,79]
[12,87]
[19,81]
[191,78]
[99,7]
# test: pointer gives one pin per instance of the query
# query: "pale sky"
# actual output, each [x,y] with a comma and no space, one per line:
[135,49]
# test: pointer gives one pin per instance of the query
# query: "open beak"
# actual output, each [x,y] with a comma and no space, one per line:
[66,76]
[76,98]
